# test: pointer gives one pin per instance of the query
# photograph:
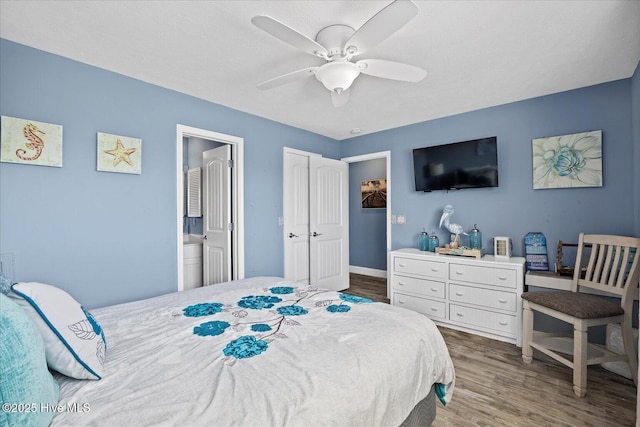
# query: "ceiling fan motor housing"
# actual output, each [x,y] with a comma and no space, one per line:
[333,39]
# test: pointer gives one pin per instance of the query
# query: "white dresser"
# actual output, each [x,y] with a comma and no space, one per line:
[480,296]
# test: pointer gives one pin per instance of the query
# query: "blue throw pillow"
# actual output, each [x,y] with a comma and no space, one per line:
[5,284]
[26,384]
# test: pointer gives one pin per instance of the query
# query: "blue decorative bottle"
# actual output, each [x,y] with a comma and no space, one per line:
[434,242]
[423,243]
[475,238]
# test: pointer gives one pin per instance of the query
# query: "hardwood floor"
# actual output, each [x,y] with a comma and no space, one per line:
[374,288]
[494,387]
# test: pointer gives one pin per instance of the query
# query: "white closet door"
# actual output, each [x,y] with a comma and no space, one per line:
[216,249]
[296,217]
[329,223]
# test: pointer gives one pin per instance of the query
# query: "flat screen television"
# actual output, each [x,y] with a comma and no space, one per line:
[467,164]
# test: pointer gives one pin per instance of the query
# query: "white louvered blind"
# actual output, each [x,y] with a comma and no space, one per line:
[194,192]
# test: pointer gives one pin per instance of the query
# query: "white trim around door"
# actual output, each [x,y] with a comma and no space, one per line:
[373,156]
[237,199]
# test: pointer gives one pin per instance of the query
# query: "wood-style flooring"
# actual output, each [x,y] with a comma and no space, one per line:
[494,387]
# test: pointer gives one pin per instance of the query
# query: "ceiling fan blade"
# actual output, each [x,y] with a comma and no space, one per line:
[288,78]
[391,70]
[288,35]
[340,99]
[381,25]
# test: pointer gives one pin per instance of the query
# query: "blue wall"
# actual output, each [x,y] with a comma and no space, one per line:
[108,237]
[514,209]
[367,227]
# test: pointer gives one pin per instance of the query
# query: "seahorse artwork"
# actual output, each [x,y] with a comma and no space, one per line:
[35,143]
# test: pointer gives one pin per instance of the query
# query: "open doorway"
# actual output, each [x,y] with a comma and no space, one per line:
[377,220]
[205,138]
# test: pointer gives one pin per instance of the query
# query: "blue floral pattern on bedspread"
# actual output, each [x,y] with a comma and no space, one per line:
[266,331]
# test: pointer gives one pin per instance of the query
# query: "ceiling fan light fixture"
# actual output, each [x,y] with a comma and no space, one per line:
[337,76]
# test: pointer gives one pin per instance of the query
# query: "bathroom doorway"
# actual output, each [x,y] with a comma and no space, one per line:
[202,140]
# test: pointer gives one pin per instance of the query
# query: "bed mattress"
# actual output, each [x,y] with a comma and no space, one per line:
[259,352]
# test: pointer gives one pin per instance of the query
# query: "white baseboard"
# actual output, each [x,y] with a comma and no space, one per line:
[368,271]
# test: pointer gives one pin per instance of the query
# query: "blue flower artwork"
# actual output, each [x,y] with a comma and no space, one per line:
[244,347]
[258,302]
[97,329]
[338,308]
[292,310]
[213,328]
[264,325]
[354,299]
[203,309]
[568,161]
[260,327]
[281,290]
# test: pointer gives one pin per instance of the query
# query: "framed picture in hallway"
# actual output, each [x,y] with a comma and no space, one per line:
[374,193]
[30,142]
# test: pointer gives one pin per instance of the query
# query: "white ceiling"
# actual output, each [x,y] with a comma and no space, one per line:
[477,53]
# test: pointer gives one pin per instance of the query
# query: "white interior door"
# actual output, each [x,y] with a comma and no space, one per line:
[216,249]
[296,217]
[329,223]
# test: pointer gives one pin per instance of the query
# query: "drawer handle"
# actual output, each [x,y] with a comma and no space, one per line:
[502,301]
[434,289]
[459,273]
[503,323]
[400,301]
[401,265]
[502,277]
[459,294]
[435,269]
[460,314]
[400,284]
[434,309]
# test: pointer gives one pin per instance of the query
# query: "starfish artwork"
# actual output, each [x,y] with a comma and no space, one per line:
[120,153]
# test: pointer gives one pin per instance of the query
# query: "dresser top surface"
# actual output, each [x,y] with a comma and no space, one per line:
[453,258]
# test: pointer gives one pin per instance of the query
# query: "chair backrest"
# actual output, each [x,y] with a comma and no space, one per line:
[612,265]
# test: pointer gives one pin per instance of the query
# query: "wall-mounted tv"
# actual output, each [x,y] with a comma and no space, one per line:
[467,164]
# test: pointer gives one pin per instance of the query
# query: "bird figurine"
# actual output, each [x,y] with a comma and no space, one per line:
[455,229]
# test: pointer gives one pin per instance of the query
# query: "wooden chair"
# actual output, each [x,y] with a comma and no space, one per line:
[613,267]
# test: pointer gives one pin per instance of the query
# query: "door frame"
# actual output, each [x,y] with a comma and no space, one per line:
[237,196]
[374,156]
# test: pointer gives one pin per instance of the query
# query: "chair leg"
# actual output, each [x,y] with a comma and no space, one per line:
[580,359]
[527,333]
[629,347]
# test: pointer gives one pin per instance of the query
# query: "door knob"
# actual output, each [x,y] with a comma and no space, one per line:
[291,235]
[316,234]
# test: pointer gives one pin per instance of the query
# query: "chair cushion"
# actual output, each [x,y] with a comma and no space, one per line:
[582,306]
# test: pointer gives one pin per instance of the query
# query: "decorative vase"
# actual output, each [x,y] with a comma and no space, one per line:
[475,238]
[423,243]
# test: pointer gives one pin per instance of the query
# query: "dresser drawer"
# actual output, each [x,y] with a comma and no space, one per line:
[429,288]
[484,297]
[504,323]
[421,267]
[486,275]
[430,308]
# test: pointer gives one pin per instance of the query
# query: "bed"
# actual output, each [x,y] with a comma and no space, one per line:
[260,352]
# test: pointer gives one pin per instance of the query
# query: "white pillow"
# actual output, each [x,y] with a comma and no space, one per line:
[74,341]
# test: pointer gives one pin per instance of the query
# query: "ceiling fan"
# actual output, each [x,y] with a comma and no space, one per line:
[338,44]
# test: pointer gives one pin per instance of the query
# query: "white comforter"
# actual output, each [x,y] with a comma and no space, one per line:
[309,357]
